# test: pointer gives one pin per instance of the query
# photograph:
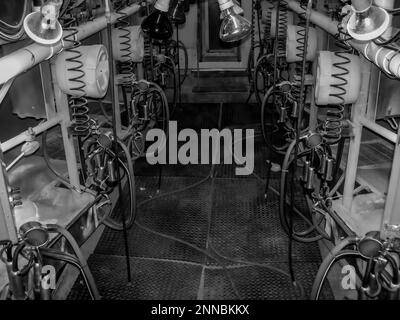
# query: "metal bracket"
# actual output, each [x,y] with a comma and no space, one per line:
[392,230]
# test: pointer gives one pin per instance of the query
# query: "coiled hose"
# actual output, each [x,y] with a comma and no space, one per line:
[251,58]
[302,34]
[281,31]
[267,28]
[77,103]
[335,115]
[126,66]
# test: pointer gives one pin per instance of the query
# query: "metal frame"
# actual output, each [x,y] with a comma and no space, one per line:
[363,116]
[56,106]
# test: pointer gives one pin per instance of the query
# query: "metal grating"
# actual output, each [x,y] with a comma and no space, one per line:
[151,280]
[183,215]
[231,216]
[233,115]
[256,283]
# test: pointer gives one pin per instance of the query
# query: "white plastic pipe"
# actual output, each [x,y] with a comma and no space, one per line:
[386,59]
[25,58]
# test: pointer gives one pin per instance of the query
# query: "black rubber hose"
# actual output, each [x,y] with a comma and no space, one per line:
[255,77]
[394,280]
[47,160]
[336,253]
[15,258]
[111,223]
[7,248]
[263,111]
[82,260]
[68,258]
[186,56]
[282,206]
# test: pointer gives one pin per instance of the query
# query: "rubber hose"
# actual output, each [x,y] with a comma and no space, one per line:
[282,203]
[58,255]
[263,106]
[332,256]
[132,189]
[77,252]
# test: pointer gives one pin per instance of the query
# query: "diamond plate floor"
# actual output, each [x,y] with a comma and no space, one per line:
[228,215]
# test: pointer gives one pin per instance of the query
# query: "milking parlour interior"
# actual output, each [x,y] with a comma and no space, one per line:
[199,150]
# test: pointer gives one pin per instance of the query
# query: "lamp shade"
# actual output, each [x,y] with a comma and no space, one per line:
[177,12]
[186,5]
[234,27]
[158,25]
[368,24]
[42,26]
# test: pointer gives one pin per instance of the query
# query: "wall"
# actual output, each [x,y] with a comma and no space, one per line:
[188,35]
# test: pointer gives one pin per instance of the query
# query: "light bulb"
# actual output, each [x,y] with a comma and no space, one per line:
[233,26]
[158,25]
[367,22]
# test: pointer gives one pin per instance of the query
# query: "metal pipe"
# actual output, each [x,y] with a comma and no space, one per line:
[386,59]
[25,58]
[27,135]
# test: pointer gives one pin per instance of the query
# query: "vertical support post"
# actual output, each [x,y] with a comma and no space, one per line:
[313,112]
[391,214]
[359,111]
[48,93]
[68,140]
[116,101]
[8,229]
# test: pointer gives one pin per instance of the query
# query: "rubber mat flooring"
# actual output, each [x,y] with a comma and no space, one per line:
[234,245]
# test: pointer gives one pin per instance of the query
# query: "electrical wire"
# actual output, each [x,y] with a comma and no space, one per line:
[336,253]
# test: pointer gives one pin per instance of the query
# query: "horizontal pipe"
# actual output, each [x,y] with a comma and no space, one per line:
[379,130]
[27,135]
[25,58]
[386,59]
